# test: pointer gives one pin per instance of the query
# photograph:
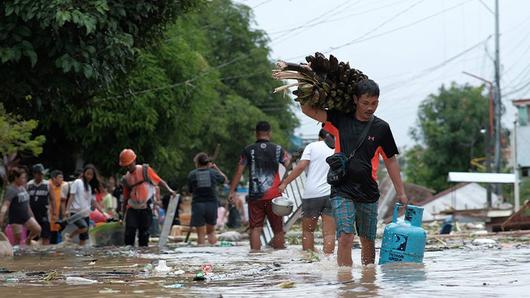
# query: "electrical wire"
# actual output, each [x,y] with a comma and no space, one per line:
[359,40]
[341,8]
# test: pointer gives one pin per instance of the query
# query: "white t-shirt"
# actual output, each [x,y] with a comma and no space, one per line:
[83,198]
[316,184]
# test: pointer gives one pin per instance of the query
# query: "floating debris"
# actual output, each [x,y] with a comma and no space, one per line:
[75,280]
[162,267]
[207,268]
[484,242]
[229,236]
[52,275]
[174,286]
[199,277]
[287,284]
[178,272]
[109,291]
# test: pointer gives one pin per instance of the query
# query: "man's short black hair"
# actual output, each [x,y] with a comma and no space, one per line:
[56,173]
[263,126]
[368,87]
[38,169]
[323,133]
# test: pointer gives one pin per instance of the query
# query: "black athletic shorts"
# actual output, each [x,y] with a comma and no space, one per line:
[45,229]
[203,213]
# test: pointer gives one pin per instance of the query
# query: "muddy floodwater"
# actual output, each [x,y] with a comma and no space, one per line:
[469,271]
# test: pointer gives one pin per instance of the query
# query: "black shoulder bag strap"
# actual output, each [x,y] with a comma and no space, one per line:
[362,137]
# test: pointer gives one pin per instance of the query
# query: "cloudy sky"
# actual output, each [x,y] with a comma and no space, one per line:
[410,47]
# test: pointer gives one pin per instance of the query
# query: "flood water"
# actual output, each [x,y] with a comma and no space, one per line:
[466,272]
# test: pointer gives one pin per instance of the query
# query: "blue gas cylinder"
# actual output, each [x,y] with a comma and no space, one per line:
[404,241]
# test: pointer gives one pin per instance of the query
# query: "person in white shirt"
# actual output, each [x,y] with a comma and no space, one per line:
[315,200]
[82,198]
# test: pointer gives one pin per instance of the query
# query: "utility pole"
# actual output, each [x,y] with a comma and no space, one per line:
[498,102]
[490,130]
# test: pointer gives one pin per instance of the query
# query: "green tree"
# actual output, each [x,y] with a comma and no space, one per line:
[173,104]
[241,55]
[448,134]
[173,98]
[61,53]
[16,135]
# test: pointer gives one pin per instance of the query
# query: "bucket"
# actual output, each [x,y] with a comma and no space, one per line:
[11,236]
[282,206]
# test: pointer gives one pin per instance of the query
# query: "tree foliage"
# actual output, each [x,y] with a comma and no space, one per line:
[202,79]
[16,135]
[176,102]
[62,52]
[448,134]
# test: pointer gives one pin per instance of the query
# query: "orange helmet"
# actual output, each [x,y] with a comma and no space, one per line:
[127,156]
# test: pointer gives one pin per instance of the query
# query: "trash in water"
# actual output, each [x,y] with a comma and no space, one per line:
[53,275]
[207,268]
[148,267]
[138,291]
[12,280]
[37,273]
[108,291]
[162,267]
[4,270]
[229,236]
[178,272]
[484,241]
[75,280]
[173,286]
[287,284]
[92,263]
[199,277]
[226,244]
[276,264]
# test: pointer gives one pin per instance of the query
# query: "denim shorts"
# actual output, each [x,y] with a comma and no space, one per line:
[353,217]
[315,207]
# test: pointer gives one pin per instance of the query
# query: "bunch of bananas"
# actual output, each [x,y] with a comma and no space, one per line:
[322,83]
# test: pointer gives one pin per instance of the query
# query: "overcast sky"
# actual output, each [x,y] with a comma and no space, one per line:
[410,47]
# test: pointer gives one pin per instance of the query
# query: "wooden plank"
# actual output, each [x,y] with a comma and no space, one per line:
[168,221]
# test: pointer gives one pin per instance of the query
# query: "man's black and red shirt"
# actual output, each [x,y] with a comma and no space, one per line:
[346,129]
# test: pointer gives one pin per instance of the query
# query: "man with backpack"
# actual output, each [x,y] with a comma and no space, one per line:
[138,195]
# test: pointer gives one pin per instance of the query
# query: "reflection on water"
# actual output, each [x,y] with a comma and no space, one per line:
[125,273]
[403,273]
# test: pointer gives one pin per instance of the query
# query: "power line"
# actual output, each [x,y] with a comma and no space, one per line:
[325,14]
[390,19]
[336,19]
[439,65]
[358,40]
[260,4]
[487,7]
